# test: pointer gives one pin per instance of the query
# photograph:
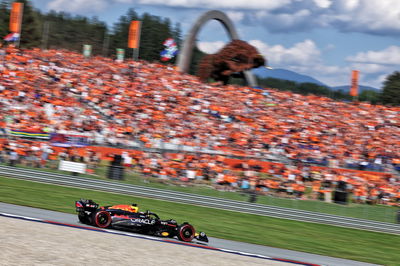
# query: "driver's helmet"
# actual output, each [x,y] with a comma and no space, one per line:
[134,208]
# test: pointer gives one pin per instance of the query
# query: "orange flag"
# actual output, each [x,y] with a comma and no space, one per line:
[354,83]
[16,17]
[134,34]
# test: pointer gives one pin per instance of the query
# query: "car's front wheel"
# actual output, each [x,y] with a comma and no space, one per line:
[186,232]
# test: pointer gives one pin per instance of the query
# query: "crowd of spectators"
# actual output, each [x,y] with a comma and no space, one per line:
[292,181]
[141,102]
[300,181]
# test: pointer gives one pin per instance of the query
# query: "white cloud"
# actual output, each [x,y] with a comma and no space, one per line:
[376,65]
[350,4]
[371,68]
[369,16]
[229,4]
[330,75]
[388,56]
[235,16]
[210,47]
[381,78]
[302,53]
[78,6]
[323,3]
[305,58]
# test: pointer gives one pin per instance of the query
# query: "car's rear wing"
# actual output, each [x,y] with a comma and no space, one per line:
[86,205]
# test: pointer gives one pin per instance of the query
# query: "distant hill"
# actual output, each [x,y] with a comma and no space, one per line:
[285,74]
[361,88]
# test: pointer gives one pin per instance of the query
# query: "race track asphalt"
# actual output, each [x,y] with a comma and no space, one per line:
[213,242]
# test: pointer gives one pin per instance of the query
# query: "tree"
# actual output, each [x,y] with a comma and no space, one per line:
[119,38]
[154,31]
[31,27]
[177,34]
[369,96]
[391,89]
[304,88]
[4,17]
[72,33]
[197,55]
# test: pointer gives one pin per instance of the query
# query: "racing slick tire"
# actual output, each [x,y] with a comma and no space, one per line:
[83,218]
[186,233]
[102,219]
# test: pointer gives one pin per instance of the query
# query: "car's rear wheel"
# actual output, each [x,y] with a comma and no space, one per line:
[102,219]
[83,218]
[186,232]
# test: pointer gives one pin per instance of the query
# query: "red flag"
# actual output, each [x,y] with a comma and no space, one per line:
[354,83]
[134,34]
[16,17]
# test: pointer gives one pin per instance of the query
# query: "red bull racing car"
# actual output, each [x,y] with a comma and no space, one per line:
[128,217]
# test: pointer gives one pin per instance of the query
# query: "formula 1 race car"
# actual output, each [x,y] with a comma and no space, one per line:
[128,217]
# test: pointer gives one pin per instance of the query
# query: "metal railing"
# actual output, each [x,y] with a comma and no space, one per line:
[199,200]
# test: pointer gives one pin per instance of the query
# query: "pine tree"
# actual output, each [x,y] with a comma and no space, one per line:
[391,89]
[177,34]
[4,17]
[119,38]
[30,28]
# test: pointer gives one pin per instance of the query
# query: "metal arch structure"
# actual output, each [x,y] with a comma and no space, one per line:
[185,56]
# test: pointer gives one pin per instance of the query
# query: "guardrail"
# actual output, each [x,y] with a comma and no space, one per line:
[206,201]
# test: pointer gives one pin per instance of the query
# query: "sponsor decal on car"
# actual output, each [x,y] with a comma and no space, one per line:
[143,221]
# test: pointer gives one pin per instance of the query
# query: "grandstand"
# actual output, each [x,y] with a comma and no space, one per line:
[150,105]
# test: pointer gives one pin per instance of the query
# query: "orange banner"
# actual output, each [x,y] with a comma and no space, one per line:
[134,34]
[16,17]
[354,83]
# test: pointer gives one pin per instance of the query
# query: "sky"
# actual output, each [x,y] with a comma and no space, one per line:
[325,39]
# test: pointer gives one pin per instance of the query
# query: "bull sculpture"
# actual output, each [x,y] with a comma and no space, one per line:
[234,58]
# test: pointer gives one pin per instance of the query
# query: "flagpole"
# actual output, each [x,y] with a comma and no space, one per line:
[106,44]
[138,46]
[20,26]
[45,35]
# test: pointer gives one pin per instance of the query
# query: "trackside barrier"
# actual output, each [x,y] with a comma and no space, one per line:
[206,201]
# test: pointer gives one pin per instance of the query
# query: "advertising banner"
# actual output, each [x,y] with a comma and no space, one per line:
[120,54]
[29,134]
[87,50]
[66,140]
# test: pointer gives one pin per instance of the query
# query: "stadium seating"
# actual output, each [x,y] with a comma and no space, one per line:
[152,105]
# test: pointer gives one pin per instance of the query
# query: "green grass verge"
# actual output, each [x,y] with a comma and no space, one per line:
[308,237]
[362,211]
